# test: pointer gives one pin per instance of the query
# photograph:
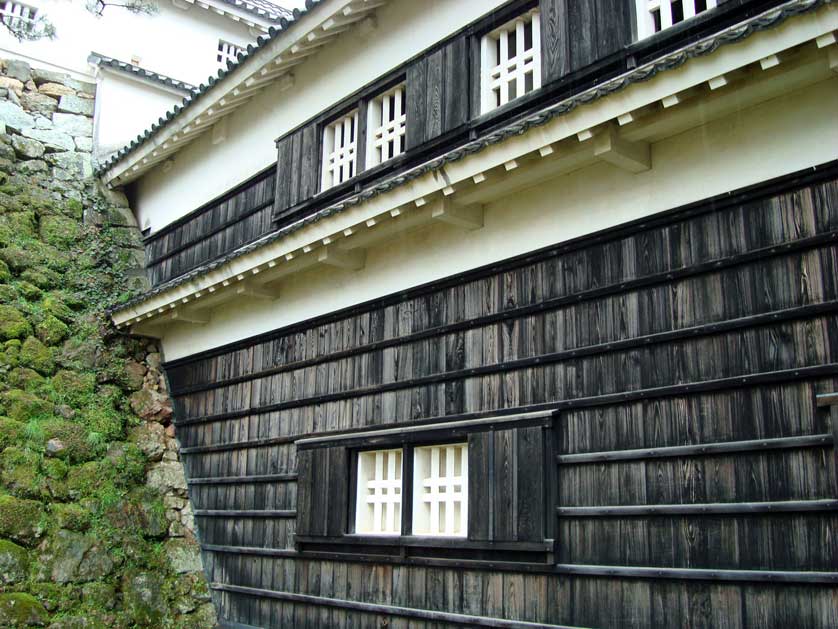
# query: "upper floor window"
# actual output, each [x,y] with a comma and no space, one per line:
[227,52]
[510,61]
[386,125]
[18,17]
[654,16]
[340,143]
[378,508]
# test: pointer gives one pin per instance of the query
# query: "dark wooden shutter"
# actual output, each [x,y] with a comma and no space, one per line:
[437,93]
[297,169]
[509,472]
[322,492]
[576,34]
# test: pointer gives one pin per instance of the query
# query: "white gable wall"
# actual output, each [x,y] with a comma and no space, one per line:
[203,171]
[178,43]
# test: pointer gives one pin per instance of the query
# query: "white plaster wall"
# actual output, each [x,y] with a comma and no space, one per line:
[777,137]
[177,43]
[203,171]
[125,108]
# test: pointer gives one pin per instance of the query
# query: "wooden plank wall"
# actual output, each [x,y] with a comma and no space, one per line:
[240,217]
[709,331]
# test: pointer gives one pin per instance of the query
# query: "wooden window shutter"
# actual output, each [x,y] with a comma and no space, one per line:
[510,472]
[437,92]
[322,492]
[297,169]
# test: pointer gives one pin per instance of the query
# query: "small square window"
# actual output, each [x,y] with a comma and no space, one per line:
[654,16]
[18,17]
[440,490]
[340,141]
[378,508]
[510,59]
[227,52]
[386,124]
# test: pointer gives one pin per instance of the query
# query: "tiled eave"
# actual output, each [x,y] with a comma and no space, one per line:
[138,73]
[615,121]
[256,15]
[268,64]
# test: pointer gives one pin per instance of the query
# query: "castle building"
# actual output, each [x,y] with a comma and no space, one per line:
[506,313]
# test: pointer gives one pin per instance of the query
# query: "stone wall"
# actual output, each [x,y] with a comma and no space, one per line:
[95,525]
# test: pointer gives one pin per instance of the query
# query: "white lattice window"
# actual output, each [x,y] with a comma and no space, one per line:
[340,142]
[440,490]
[18,17]
[378,506]
[510,61]
[654,16]
[227,52]
[386,124]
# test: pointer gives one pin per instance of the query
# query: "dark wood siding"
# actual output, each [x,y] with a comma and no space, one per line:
[682,357]
[437,92]
[238,218]
[578,34]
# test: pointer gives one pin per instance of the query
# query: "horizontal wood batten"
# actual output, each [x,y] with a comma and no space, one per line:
[387,610]
[703,449]
[706,386]
[763,576]
[757,192]
[574,299]
[235,445]
[630,572]
[241,480]
[487,423]
[245,513]
[428,542]
[718,508]
[646,341]
[827,399]
[250,550]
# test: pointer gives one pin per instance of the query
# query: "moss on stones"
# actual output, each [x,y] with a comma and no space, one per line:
[19,470]
[59,231]
[13,323]
[38,356]
[14,562]
[5,273]
[23,406]
[51,330]
[18,609]
[21,520]
[72,517]
[11,432]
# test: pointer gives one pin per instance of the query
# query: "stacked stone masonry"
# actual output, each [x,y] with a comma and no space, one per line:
[96,529]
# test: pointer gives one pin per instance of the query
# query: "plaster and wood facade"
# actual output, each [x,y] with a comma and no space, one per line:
[566,360]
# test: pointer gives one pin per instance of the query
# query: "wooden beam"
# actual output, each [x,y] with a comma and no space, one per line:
[716,508]
[194,317]
[353,260]
[249,289]
[468,217]
[634,157]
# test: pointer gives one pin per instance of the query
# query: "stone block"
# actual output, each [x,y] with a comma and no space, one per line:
[19,70]
[83,87]
[84,144]
[37,102]
[74,165]
[76,105]
[53,140]
[41,76]
[13,85]
[184,556]
[27,147]
[55,89]
[42,122]
[14,117]
[166,476]
[73,124]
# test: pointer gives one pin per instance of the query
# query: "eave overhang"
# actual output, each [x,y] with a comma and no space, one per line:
[160,81]
[616,121]
[269,64]
[253,15]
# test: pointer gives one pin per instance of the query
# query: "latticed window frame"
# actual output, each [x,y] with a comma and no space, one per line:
[654,16]
[380,487]
[18,16]
[427,485]
[340,150]
[497,72]
[227,52]
[385,127]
